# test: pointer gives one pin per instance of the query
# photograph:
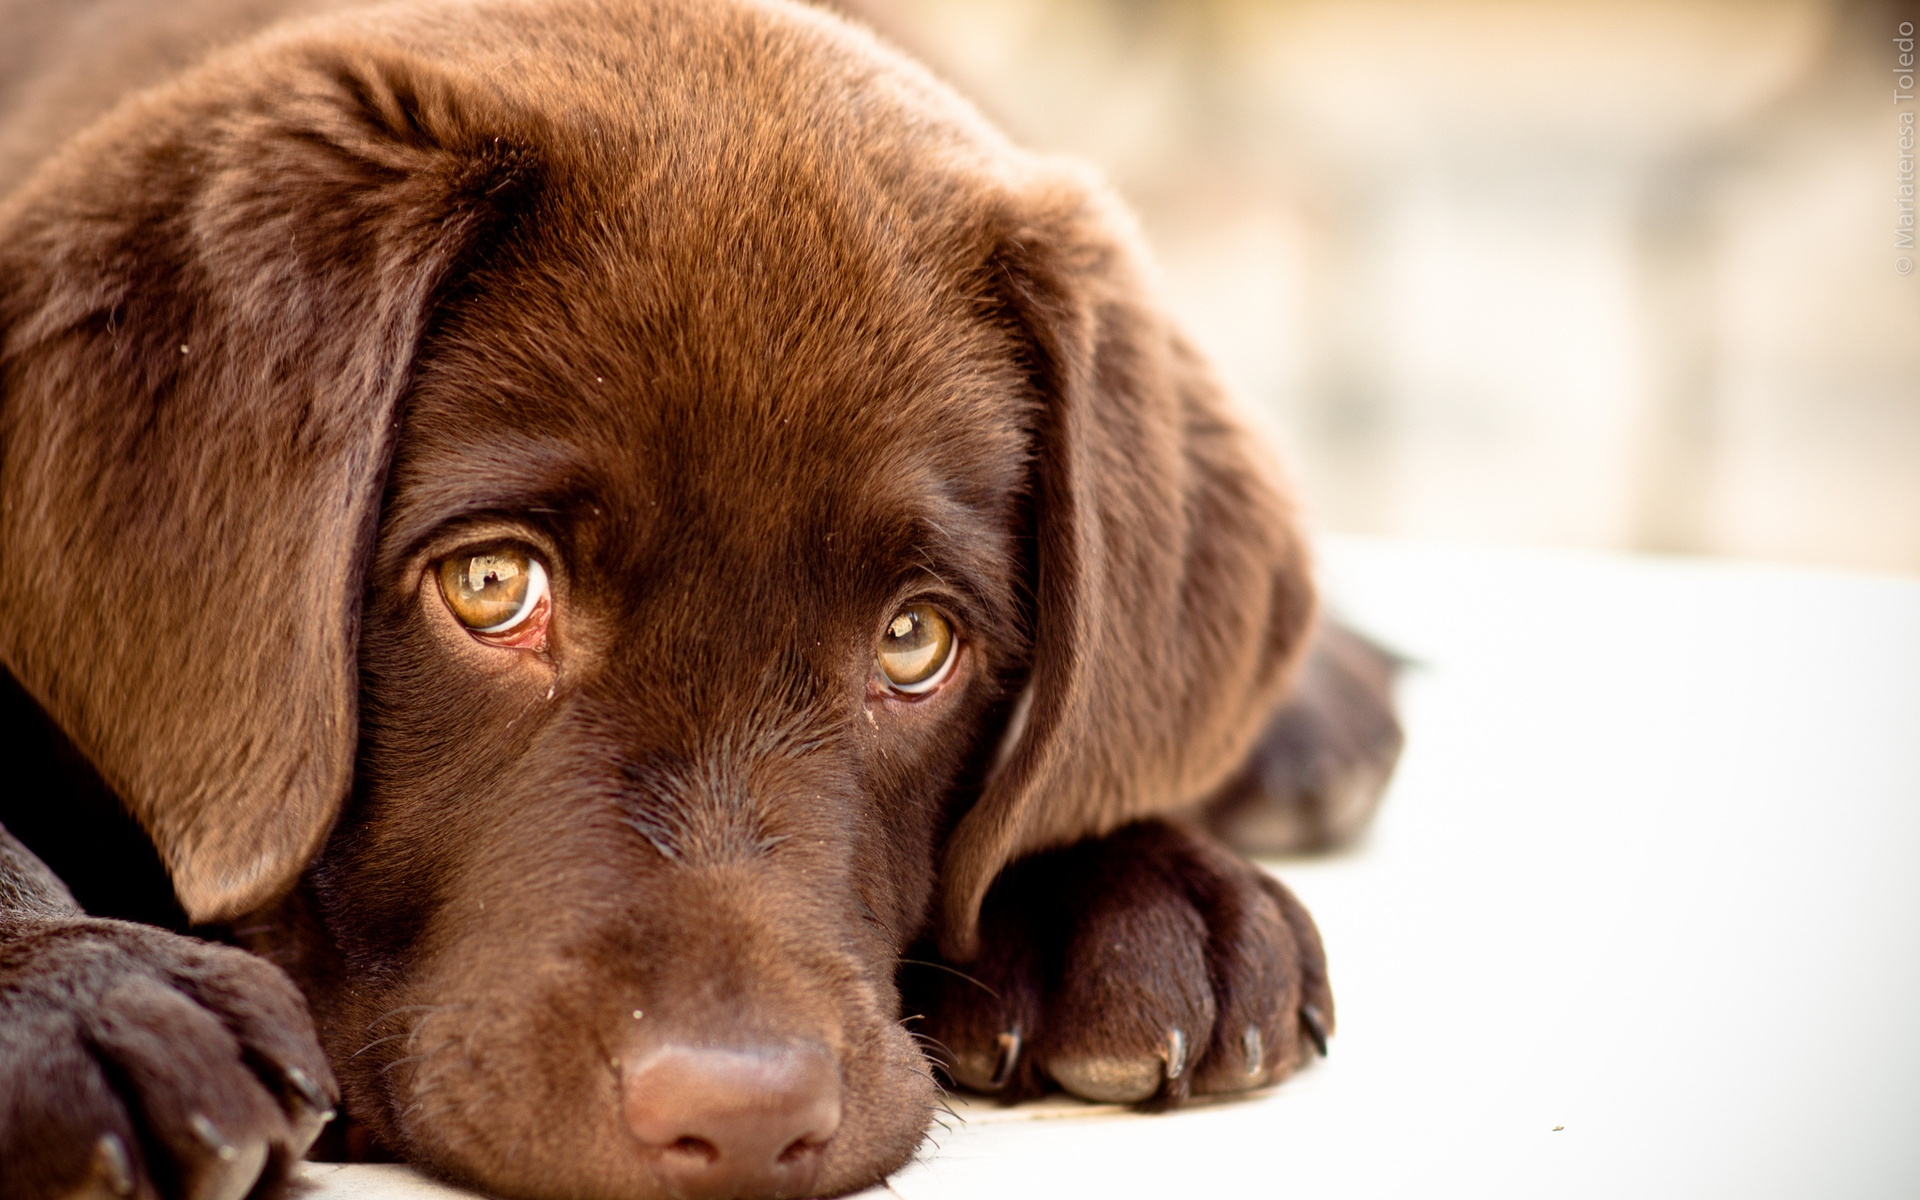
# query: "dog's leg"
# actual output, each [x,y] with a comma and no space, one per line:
[1155,963]
[1324,758]
[137,1062]
[1142,967]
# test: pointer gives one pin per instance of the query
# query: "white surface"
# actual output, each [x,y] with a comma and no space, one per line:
[1650,871]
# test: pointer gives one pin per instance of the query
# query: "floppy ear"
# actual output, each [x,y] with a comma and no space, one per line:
[1173,592]
[209,306]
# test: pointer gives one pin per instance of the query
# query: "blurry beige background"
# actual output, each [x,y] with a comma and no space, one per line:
[1613,274]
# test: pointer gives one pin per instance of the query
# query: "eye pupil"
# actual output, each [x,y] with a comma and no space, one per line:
[487,570]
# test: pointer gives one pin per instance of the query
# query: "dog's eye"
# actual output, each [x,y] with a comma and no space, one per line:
[493,591]
[916,649]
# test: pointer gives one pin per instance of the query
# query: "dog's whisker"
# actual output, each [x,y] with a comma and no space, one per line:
[392,1037]
[394,1012]
[414,1114]
[411,1058]
[921,962]
[928,1042]
[413,1035]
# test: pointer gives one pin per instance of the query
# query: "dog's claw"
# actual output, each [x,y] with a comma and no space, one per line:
[1253,1050]
[211,1137]
[309,1091]
[1316,1027]
[111,1165]
[1009,1058]
[235,1169]
[308,1113]
[1176,1055]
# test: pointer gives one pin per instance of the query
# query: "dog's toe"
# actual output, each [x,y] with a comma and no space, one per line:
[979,1022]
[151,1066]
[1119,1032]
[1139,968]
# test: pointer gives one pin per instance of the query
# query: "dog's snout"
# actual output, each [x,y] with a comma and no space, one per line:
[734,1121]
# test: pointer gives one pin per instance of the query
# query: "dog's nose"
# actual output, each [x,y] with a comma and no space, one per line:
[734,1121]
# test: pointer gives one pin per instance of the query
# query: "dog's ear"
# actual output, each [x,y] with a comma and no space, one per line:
[209,307]
[1172,592]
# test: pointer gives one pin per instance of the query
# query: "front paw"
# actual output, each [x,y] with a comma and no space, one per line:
[135,1062]
[1143,967]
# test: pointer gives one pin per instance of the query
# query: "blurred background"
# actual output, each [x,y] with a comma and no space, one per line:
[1614,274]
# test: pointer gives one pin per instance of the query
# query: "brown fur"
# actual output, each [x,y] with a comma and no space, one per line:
[755,333]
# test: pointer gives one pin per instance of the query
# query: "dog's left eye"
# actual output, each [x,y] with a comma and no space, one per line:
[917,649]
[494,591]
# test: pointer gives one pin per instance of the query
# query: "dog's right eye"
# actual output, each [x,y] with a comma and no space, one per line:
[917,649]
[495,593]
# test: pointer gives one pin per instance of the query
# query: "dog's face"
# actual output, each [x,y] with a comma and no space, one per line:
[685,505]
[756,629]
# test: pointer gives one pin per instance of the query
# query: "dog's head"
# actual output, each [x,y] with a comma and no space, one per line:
[643,509]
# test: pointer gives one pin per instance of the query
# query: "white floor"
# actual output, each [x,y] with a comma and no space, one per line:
[1641,916]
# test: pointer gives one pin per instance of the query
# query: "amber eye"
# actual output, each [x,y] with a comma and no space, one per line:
[493,591]
[916,649]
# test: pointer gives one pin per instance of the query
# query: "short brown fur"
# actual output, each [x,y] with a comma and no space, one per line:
[753,333]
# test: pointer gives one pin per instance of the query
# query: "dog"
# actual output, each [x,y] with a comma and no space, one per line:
[618,591]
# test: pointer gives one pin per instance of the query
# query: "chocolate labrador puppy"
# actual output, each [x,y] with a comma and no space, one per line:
[611,540]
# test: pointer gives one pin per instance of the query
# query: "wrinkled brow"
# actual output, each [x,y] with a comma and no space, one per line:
[437,482]
[918,521]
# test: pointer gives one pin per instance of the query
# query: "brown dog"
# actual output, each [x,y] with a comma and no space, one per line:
[600,535]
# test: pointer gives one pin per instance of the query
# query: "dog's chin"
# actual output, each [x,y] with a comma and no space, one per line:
[565,1089]
[578,1143]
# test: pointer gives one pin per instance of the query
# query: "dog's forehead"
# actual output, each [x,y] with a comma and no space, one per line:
[758,290]
[743,383]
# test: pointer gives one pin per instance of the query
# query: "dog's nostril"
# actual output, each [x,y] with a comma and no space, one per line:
[733,1121]
[699,1148]
[801,1149]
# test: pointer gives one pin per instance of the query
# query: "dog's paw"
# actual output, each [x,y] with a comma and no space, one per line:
[138,1063]
[1318,770]
[1142,968]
